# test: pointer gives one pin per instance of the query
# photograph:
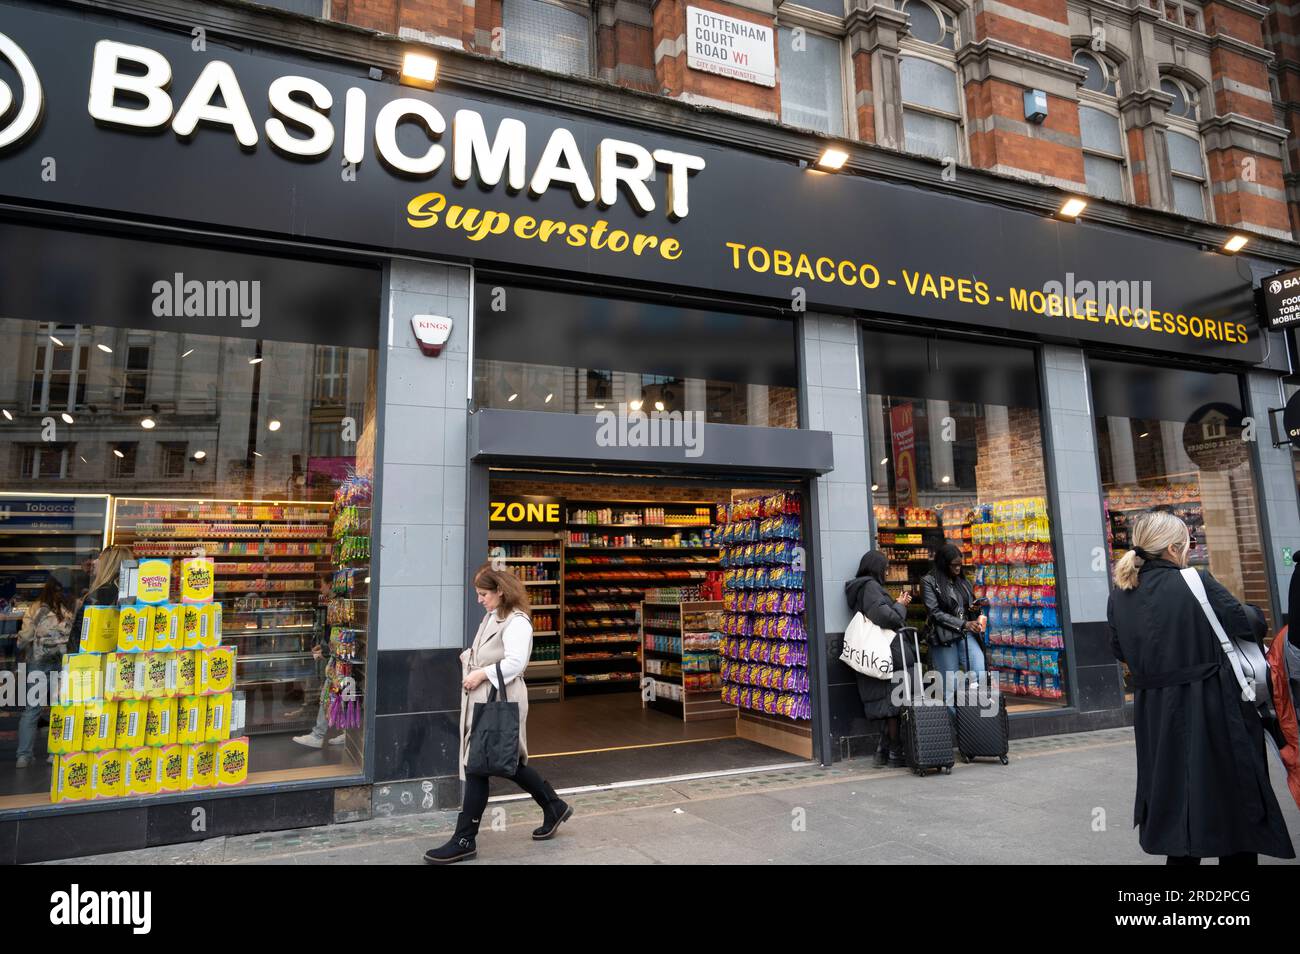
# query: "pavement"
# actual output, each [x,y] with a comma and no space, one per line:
[1062,800]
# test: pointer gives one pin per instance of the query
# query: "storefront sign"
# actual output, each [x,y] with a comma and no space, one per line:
[1212,437]
[274,145]
[1282,299]
[730,47]
[903,432]
[526,513]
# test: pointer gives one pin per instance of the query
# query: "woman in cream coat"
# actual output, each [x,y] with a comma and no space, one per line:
[506,637]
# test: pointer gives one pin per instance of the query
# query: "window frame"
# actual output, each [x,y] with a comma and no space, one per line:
[925,51]
[43,369]
[1106,103]
[829,27]
[1192,129]
[584,10]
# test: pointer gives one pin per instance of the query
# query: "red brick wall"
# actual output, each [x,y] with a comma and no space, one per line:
[1010,460]
[677,79]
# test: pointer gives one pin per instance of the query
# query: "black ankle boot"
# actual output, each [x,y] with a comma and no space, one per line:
[460,847]
[553,816]
[881,758]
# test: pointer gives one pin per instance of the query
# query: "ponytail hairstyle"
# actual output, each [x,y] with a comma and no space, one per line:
[1153,534]
[514,596]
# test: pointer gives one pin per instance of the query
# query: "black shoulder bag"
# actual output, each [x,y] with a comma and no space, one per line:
[494,735]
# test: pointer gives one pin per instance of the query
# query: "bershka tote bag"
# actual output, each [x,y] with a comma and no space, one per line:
[867,648]
[494,735]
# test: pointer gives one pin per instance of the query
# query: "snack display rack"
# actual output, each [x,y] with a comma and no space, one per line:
[765,642]
[1125,504]
[272,564]
[908,536]
[616,550]
[347,611]
[537,558]
[682,661]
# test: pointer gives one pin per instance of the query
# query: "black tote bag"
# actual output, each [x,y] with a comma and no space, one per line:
[494,735]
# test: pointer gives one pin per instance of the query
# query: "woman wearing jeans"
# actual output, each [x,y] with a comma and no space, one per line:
[504,640]
[44,639]
[954,639]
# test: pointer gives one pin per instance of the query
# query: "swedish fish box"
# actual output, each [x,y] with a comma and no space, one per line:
[83,677]
[132,719]
[187,667]
[123,676]
[232,761]
[99,629]
[71,779]
[139,768]
[171,768]
[153,581]
[135,629]
[160,723]
[201,765]
[166,628]
[191,719]
[159,675]
[217,720]
[216,671]
[197,580]
[65,729]
[98,726]
[106,779]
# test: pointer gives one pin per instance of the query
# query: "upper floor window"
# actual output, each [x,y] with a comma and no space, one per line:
[59,369]
[812,80]
[1183,14]
[1100,130]
[312,8]
[931,93]
[931,23]
[553,36]
[1186,155]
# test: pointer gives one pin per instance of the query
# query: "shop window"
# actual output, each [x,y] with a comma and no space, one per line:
[956,441]
[812,80]
[932,120]
[1173,440]
[59,368]
[551,36]
[122,459]
[574,354]
[1102,135]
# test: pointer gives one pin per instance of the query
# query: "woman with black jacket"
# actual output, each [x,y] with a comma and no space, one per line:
[867,595]
[1202,777]
[952,635]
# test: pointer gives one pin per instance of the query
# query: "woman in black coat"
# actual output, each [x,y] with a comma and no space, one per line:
[1202,776]
[867,595]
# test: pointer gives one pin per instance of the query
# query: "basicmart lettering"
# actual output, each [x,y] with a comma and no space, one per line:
[75,907]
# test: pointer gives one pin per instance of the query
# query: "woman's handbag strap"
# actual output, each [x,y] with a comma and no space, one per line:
[501,681]
[1197,586]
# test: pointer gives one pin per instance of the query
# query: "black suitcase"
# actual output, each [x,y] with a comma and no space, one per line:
[981,736]
[926,729]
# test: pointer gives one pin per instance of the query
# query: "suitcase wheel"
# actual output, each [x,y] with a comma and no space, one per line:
[947,770]
[1004,759]
[966,759]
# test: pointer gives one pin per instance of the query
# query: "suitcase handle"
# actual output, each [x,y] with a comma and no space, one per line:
[903,632]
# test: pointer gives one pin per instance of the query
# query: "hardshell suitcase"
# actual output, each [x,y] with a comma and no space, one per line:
[981,735]
[926,729]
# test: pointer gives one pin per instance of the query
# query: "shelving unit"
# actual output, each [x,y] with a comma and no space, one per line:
[681,657]
[537,557]
[614,551]
[347,612]
[272,615]
[1183,500]
[910,549]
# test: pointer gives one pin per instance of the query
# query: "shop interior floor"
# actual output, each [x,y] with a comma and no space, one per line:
[656,761]
[611,720]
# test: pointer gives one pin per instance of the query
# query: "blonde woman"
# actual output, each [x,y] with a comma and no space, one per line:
[103,587]
[1202,779]
[504,637]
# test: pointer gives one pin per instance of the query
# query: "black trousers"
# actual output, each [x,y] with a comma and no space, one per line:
[1235,861]
[476,795]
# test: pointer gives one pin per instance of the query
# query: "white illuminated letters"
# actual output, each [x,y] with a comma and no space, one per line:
[609,173]
[106,81]
[354,126]
[386,136]
[561,145]
[282,103]
[217,77]
[680,166]
[472,151]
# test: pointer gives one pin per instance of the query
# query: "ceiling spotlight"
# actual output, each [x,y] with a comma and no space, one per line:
[199,455]
[117,453]
[548,398]
[1235,243]
[148,423]
[188,353]
[946,478]
[659,405]
[104,348]
[419,69]
[8,416]
[56,341]
[832,159]
[1144,434]
[1072,207]
[599,407]
[256,454]
[875,487]
[67,418]
[273,424]
[635,405]
[254,360]
[884,461]
[511,398]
